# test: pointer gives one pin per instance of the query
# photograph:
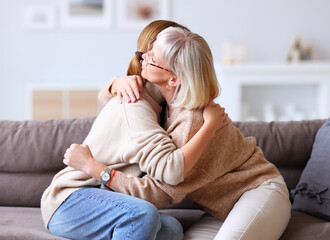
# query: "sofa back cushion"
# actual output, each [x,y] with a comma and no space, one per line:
[32,153]
[288,145]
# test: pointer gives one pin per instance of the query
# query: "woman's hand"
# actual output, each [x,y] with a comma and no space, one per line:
[79,157]
[214,116]
[127,87]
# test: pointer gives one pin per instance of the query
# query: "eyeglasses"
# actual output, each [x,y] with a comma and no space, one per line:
[139,55]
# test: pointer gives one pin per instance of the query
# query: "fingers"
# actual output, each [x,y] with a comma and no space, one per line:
[140,83]
[126,97]
[130,89]
[72,146]
[69,153]
[137,86]
[120,97]
[224,124]
[133,92]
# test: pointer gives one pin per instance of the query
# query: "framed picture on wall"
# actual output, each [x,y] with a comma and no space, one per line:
[39,18]
[86,14]
[137,14]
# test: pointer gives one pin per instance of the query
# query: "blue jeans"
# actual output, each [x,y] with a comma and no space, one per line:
[94,213]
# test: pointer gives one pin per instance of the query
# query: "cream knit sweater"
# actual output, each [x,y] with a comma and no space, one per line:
[126,137]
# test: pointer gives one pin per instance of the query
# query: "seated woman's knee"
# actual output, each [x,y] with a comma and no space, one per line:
[148,210]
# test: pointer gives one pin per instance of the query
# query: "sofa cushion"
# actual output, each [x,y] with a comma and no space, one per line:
[186,217]
[305,227]
[312,194]
[32,153]
[301,227]
[288,145]
[23,223]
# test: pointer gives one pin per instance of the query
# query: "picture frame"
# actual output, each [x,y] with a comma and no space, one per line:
[86,14]
[39,18]
[137,14]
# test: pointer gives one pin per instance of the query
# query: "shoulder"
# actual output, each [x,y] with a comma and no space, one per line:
[183,124]
[145,108]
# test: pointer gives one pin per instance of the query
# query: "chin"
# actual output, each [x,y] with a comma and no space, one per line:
[143,73]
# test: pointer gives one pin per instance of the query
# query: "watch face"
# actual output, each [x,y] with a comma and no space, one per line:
[105,176]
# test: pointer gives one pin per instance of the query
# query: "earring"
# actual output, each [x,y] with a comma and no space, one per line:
[169,88]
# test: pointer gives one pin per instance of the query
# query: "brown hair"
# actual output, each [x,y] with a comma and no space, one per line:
[148,33]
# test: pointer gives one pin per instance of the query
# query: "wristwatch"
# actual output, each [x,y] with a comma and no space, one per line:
[105,175]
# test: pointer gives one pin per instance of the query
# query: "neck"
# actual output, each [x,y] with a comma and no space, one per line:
[168,95]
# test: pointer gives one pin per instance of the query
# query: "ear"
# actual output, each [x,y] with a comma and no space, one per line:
[174,81]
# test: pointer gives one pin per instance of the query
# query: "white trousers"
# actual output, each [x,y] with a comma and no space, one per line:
[261,213]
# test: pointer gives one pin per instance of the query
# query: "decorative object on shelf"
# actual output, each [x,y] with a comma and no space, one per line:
[298,52]
[239,54]
[86,14]
[233,53]
[269,112]
[227,54]
[39,18]
[246,113]
[137,14]
[292,113]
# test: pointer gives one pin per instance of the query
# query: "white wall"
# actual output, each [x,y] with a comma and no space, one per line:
[265,27]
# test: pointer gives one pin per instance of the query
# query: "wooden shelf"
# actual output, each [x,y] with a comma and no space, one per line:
[52,102]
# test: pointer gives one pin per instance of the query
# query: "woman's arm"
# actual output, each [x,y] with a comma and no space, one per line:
[215,118]
[145,188]
[80,157]
[127,87]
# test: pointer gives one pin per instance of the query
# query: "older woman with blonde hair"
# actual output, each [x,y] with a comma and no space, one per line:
[243,194]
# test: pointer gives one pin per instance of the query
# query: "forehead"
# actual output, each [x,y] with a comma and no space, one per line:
[156,50]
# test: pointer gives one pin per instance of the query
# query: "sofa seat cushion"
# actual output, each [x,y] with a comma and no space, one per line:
[186,217]
[305,227]
[301,226]
[23,223]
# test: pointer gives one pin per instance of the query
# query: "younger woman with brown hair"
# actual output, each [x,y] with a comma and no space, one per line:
[126,137]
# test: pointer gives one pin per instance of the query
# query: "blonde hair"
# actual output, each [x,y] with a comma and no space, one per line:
[189,57]
[149,33]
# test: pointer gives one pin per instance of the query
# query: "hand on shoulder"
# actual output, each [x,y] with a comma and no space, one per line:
[127,88]
[215,116]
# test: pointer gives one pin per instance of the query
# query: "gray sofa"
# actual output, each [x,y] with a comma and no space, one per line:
[32,152]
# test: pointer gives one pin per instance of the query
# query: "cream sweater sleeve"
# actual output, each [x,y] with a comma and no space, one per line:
[104,96]
[150,145]
[181,127]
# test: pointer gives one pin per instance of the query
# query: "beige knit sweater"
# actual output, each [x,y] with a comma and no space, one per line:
[126,137]
[230,165]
